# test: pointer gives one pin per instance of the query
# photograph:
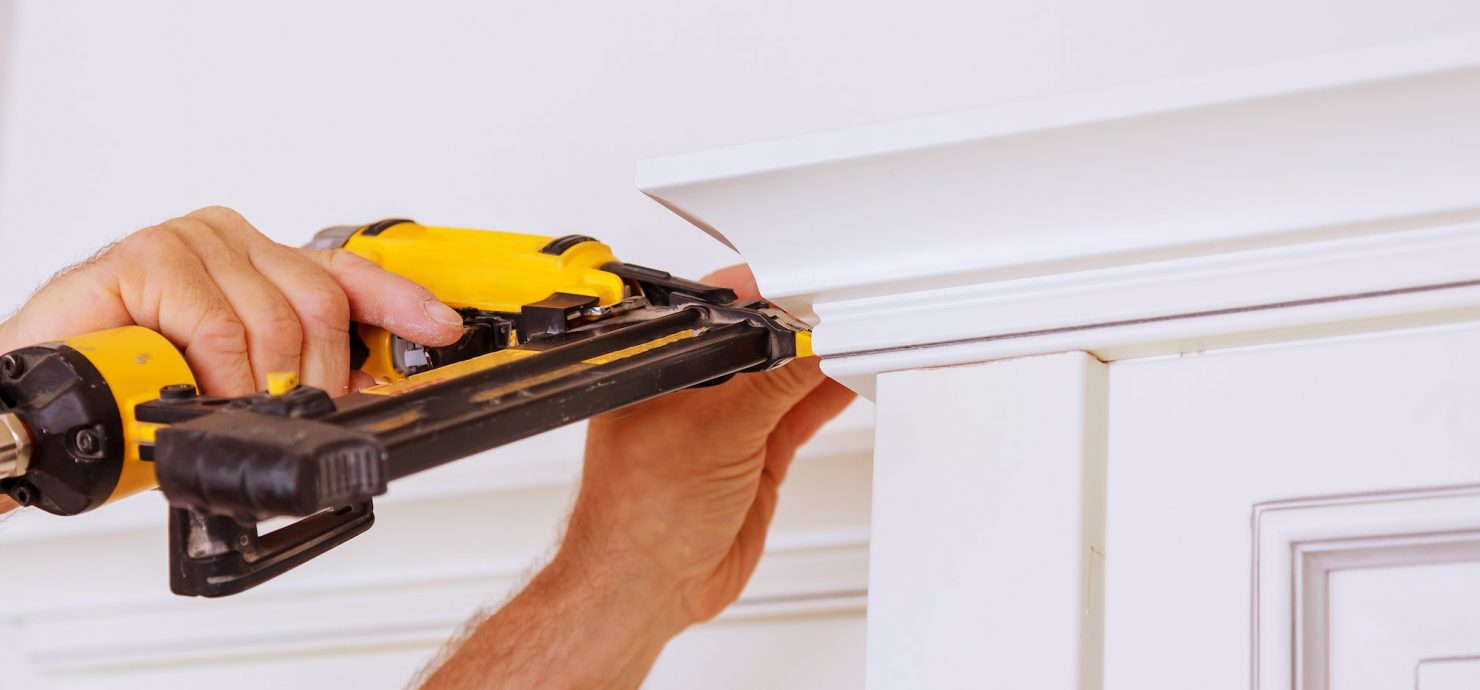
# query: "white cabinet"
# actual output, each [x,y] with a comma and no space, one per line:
[1307,512]
[1176,383]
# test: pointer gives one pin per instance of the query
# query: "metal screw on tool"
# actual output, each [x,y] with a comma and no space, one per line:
[11,366]
[87,441]
[179,392]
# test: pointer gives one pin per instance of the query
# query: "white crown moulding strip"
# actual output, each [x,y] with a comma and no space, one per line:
[1288,200]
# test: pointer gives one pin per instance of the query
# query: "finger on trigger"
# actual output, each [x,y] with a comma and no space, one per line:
[381,298]
[359,380]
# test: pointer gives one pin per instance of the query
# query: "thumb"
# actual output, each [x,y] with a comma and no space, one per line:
[775,392]
[738,278]
[763,399]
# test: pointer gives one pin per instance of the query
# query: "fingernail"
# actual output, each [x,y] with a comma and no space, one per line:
[442,313]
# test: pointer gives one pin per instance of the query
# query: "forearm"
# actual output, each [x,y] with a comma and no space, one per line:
[7,505]
[581,623]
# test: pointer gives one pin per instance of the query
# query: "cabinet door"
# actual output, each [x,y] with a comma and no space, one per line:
[1296,516]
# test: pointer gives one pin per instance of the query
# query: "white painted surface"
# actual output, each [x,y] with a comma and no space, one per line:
[1389,621]
[1312,632]
[1278,264]
[1031,227]
[1098,178]
[1269,465]
[1449,674]
[1197,442]
[986,568]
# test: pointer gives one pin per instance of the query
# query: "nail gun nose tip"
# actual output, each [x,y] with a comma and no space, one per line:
[804,344]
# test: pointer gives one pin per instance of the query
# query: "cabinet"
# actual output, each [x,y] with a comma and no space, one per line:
[1175,382]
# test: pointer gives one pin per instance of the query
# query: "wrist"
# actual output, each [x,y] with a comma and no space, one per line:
[591,618]
[641,597]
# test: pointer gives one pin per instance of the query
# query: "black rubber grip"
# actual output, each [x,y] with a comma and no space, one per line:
[253,466]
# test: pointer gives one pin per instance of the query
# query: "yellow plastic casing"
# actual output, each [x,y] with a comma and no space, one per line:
[378,364]
[489,270]
[481,269]
[804,344]
[135,362]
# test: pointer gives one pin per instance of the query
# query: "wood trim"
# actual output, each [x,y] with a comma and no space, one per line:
[1298,544]
[1407,278]
[1315,563]
[1250,206]
[1448,664]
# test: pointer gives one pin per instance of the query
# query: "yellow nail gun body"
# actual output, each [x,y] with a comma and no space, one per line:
[555,330]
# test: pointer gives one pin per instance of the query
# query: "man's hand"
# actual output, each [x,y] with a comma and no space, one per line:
[236,303]
[675,502]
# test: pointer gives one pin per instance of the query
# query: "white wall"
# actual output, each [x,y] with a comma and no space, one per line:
[529,115]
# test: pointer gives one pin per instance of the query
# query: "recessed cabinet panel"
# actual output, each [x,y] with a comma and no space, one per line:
[1387,624]
[1295,516]
[1359,591]
[1449,674]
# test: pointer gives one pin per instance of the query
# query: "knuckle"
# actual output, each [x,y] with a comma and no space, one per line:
[343,258]
[198,237]
[185,226]
[148,244]
[280,335]
[202,238]
[223,222]
[221,334]
[153,235]
[324,306]
[218,214]
[333,258]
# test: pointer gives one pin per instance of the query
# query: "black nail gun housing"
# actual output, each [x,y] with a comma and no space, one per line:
[226,465]
[254,466]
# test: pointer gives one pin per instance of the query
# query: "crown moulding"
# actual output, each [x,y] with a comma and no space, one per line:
[1313,197]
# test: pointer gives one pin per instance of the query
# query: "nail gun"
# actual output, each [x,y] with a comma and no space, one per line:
[556,330]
